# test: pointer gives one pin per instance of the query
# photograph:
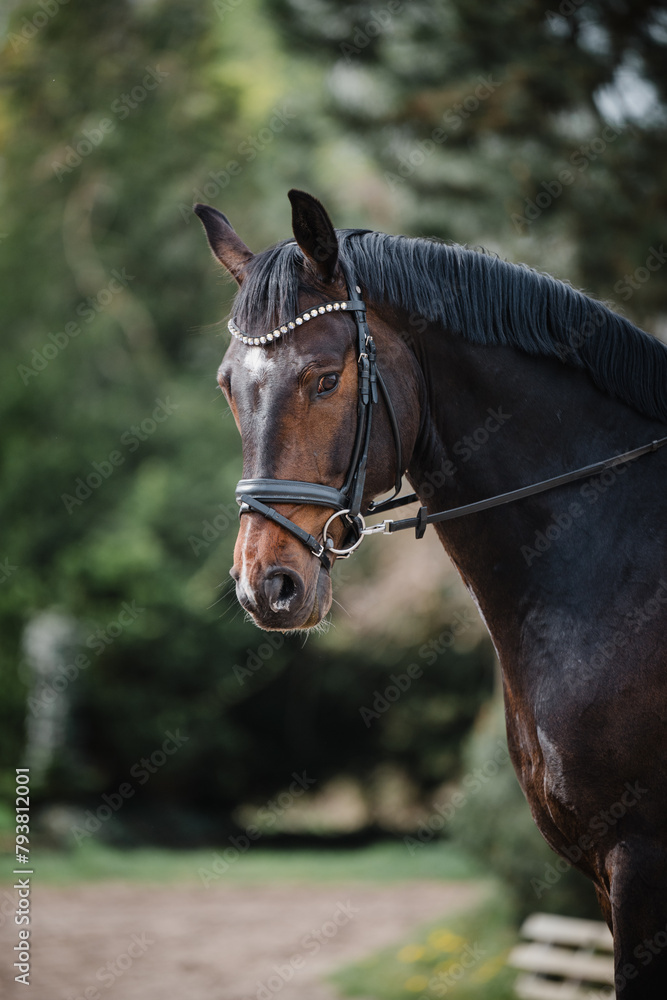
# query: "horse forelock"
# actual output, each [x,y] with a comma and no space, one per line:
[270,289]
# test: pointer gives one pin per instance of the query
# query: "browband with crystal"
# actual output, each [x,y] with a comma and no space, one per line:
[303,317]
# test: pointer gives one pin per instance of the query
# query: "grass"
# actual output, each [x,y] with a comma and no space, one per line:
[383,862]
[465,961]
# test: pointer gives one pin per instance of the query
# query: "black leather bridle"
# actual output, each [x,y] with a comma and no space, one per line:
[255,495]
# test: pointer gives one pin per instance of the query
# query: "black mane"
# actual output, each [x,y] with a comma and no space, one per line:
[479,296]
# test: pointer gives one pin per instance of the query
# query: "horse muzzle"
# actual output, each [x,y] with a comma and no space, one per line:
[282,595]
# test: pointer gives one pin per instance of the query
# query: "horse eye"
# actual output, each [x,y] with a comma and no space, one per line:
[327,382]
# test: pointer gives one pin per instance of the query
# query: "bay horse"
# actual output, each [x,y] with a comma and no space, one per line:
[537,415]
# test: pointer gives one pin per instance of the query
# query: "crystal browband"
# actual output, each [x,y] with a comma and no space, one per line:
[303,317]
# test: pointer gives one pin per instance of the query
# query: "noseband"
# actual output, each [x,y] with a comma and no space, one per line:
[255,494]
[251,494]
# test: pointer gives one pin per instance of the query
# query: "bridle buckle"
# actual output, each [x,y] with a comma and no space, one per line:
[382,528]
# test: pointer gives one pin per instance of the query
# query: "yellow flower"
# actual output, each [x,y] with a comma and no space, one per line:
[443,940]
[411,953]
[489,969]
[415,984]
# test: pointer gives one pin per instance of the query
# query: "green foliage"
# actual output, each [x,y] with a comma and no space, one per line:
[306,710]
[490,124]
[119,454]
[381,862]
[109,429]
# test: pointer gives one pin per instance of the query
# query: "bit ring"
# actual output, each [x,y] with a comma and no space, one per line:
[328,542]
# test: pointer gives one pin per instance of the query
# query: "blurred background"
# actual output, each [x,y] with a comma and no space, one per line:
[161,729]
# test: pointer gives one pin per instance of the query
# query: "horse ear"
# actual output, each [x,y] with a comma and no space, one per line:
[229,248]
[314,233]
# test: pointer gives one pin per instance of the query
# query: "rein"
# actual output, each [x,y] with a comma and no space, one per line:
[346,502]
[420,522]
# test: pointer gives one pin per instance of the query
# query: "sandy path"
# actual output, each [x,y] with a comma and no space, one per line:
[221,943]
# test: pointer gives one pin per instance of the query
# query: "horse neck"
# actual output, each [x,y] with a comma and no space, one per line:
[496,419]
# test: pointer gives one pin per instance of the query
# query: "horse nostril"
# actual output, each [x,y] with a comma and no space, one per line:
[281,588]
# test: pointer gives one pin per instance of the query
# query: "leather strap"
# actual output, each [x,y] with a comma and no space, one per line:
[292,491]
[250,503]
[393,422]
[355,305]
[391,503]
[419,523]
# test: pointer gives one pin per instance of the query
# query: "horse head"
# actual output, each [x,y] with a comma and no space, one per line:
[293,376]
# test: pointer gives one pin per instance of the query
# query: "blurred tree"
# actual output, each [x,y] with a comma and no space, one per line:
[110,113]
[536,128]
[115,116]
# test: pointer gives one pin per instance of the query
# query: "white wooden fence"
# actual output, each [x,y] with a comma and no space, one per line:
[564,959]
